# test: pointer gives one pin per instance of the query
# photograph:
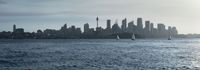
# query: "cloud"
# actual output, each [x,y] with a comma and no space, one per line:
[173,12]
[2,2]
[25,14]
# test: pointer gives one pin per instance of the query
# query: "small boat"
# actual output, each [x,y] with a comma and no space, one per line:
[117,37]
[170,38]
[133,37]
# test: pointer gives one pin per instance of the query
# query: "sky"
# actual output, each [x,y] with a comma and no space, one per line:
[52,14]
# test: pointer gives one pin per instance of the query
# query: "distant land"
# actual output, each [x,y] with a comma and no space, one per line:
[126,30]
[189,36]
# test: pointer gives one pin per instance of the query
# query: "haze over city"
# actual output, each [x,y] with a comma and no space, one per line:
[99,35]
[42,14]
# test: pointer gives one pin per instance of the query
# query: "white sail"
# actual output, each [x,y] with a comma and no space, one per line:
[133,37]
[117,37]
[170,37]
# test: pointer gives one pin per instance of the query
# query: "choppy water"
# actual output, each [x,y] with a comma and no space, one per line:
[101,54]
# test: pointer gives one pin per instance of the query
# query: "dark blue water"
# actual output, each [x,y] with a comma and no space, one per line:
[100,54]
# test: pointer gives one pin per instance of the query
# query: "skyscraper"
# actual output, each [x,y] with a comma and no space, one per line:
[14,28]
[108,24]
[123,26]
[116,28]
[130,26]
[152,26]
[73,28]
[86,28]
[169,31]
[64,27]
[147,26]
[139,23]
[169,28]
[174,31]
[161,27]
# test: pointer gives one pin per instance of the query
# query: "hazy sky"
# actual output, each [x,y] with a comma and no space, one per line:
[42,14]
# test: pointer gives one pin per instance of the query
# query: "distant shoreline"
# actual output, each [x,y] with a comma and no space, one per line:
[102,38]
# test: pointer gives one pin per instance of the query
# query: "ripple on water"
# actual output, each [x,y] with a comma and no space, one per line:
[100,55]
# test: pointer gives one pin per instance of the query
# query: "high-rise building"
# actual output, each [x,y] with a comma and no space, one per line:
[14,28]
[123,26]
[139,23]
[169,28]
[64,27]
[86,28]
[147,26]
[130,26]
[161,27]
[174,31]
[78,31]
[116,28]
[108,24]
[73,28]
[19,30]
[152,26]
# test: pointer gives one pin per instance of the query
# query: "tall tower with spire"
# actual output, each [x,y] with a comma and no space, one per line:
[97,19]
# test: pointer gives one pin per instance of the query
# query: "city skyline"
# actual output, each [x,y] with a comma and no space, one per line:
[45,14]
[123,25]
[103,25]
[127,28]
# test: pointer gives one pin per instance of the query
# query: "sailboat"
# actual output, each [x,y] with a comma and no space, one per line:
[117,37]
[170,37]
[133,37]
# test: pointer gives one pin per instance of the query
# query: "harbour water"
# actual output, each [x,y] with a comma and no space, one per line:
[100,54]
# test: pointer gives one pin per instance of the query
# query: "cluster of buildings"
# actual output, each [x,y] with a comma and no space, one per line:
[140,29]
[146,30]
